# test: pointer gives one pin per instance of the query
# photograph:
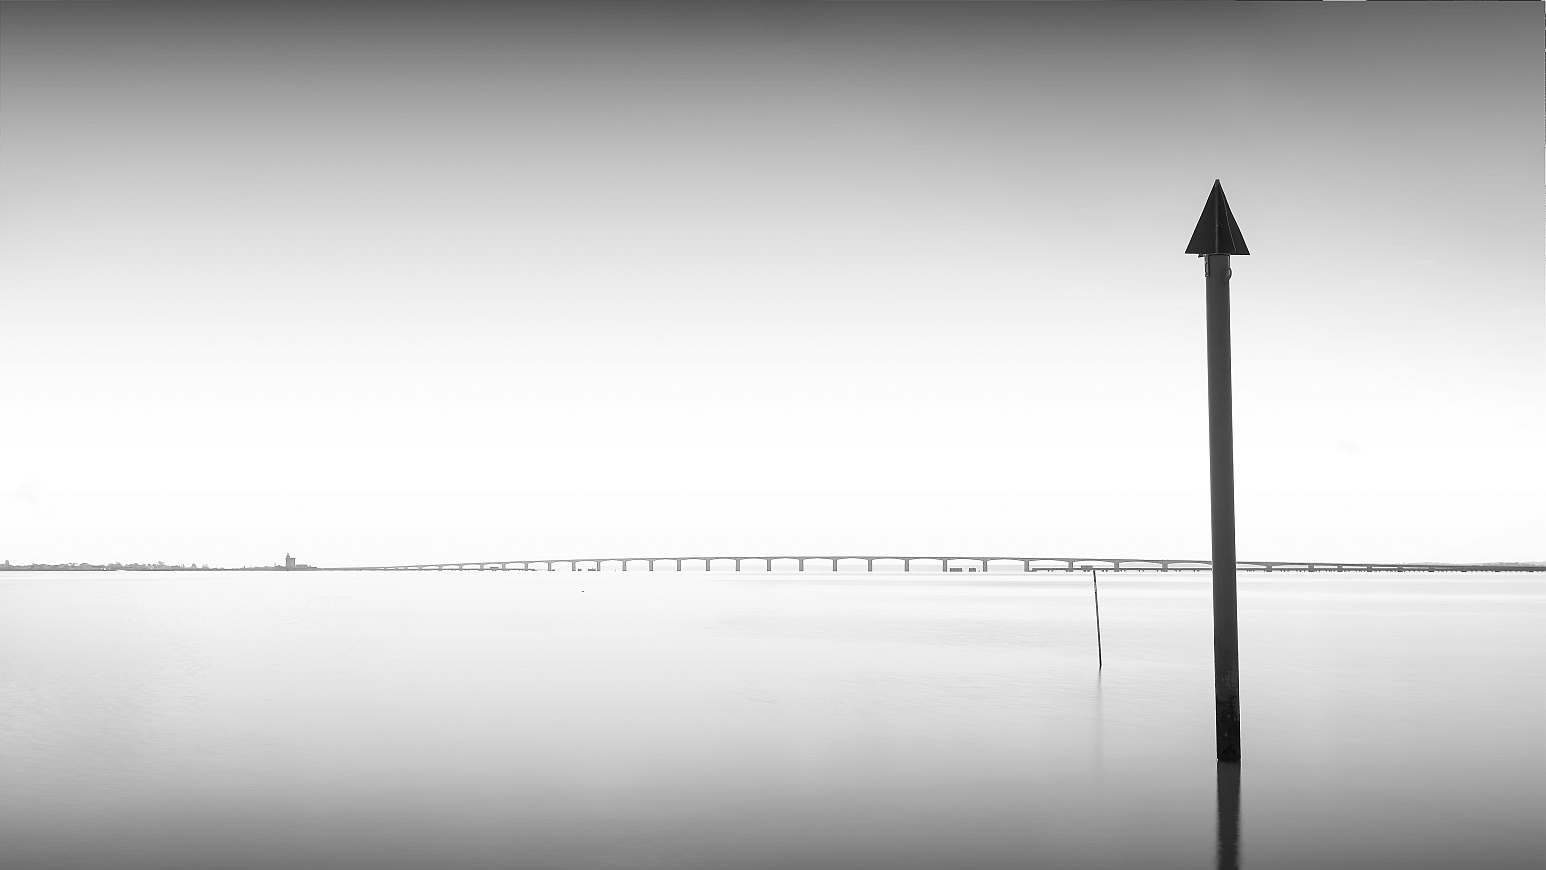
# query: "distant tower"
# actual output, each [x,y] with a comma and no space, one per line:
[289,561]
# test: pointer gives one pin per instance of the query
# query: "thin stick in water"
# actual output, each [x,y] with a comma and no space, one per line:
[1099,656]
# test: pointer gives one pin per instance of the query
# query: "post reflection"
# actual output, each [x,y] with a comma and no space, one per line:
[1100,729]
[1229,815]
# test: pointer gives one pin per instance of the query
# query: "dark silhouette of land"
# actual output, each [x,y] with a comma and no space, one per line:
[290,565]
[110,566]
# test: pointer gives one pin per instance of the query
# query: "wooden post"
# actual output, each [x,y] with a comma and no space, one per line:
[1221,463]
[1215,239]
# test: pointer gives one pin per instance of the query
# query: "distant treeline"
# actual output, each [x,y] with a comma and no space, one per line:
[111,566]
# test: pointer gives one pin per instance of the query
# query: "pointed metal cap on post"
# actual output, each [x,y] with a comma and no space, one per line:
[1217,232]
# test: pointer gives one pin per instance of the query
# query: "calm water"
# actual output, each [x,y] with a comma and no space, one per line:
[752,721]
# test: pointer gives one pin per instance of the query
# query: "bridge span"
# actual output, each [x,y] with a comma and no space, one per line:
[941,564]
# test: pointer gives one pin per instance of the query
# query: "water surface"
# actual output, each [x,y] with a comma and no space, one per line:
[694,720]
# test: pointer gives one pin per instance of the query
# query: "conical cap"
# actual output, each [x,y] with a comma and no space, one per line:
[1217,232]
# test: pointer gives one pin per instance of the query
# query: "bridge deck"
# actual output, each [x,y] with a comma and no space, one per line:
[941,564]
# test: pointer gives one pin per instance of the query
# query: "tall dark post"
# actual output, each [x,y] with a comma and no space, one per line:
[1215,239]
[1100,657]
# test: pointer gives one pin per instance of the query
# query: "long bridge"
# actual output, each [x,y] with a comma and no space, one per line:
[942,564]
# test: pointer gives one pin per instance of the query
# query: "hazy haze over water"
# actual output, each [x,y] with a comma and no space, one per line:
[668,720]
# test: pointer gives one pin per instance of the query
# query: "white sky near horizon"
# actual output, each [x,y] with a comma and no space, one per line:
[432,282]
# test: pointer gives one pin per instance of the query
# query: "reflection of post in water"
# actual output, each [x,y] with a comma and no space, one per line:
[1229,815]
[1100,729]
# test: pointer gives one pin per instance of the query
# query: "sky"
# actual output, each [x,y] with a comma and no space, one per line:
[399,283]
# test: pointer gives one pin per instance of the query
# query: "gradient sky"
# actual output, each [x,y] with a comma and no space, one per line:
[380,283]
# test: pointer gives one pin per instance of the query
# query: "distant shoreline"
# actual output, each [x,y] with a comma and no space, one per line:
[119,566]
